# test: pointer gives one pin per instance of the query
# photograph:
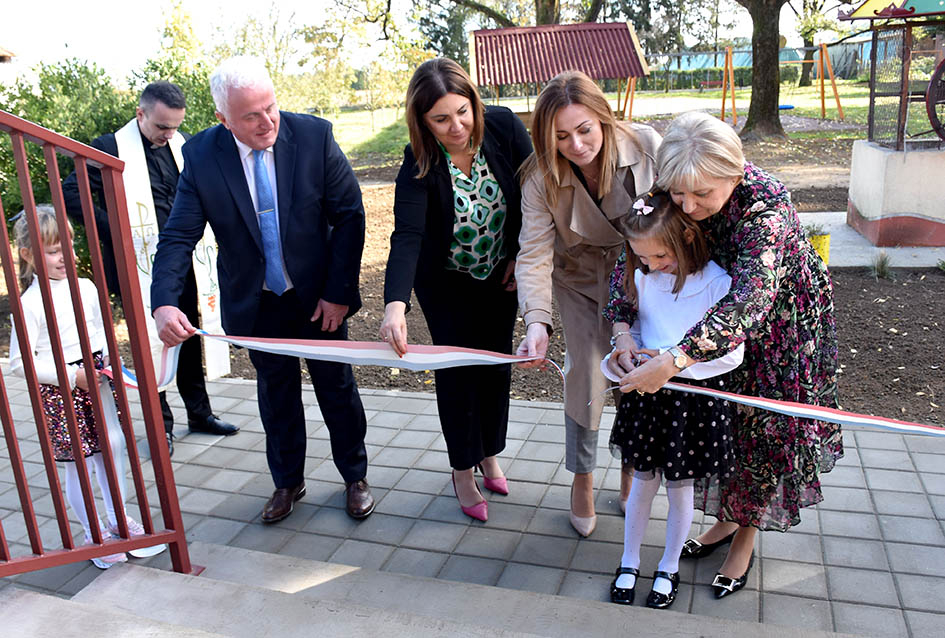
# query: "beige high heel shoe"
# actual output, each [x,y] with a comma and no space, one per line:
[583,525]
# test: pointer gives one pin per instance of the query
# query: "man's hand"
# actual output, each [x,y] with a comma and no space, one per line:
[331,314]
[172,325]
[535,344]
[394,327]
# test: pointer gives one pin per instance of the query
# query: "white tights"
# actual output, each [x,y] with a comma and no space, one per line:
[97,462]
[678,522]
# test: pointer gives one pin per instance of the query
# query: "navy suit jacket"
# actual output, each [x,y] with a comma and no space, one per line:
[321,221]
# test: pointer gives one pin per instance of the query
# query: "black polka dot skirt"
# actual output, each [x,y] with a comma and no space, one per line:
[682,435]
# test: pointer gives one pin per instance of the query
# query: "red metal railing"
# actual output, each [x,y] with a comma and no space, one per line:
[21,132]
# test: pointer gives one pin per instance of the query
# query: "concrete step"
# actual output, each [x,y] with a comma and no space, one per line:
[235,609]
[25,613]
[477,605]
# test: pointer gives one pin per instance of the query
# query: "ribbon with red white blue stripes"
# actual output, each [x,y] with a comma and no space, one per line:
[420,357]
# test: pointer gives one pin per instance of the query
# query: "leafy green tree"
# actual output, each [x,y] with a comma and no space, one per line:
[763,118]
[811,20]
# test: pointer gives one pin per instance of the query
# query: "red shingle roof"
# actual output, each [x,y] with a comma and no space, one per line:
[537,54]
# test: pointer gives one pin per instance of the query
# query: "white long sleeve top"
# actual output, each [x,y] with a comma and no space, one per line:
[38,331]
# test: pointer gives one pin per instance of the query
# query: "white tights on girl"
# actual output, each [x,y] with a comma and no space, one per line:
[679,519]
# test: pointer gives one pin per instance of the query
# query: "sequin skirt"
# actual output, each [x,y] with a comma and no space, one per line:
[54,407]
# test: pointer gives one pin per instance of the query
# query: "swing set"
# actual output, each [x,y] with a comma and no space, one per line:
[823,61]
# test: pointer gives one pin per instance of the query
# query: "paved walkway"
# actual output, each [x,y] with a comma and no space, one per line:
[869,560]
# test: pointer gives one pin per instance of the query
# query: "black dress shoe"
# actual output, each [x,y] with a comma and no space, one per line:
[725,586]
[659,600]
[280,504]
[212,425]
[170,444]
[623,595]
[358,500]
[694,549]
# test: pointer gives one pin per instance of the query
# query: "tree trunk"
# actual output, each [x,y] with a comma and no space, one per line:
[763,119]
[807,66]
[593,11]
[547,11]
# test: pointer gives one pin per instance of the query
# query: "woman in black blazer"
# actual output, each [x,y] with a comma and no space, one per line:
[457,213]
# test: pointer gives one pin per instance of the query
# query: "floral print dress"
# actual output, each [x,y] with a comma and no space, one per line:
[781,306]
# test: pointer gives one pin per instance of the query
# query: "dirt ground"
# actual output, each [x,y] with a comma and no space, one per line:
[891,335]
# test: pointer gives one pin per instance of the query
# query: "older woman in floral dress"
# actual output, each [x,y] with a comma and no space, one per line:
[781,306]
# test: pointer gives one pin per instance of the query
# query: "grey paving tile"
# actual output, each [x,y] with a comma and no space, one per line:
[849,524]
[389,419]
[543,580]
[519,431]
[413,439]
[53,579]
[938,506]
[376,435]
[861,586]
[538,451]
[906,529]
[250,461]
[415,562]
[382,528]
[192,475]
[934,483]
[799,579]
[434,536]
[215,530]
[510,517]
[925,444]
[525,414]
[311,546]
[916,559]
[586,586]
[385,477]
[425,422]
[557,497]
[593,556]
[325,470]
[468,569]
[924,624]
[846,552]
[432,460]
[792,611]
[396,457]
[361,554]
[485,542]
[892,480]
[446,508]
[791,547]
[844,476]
[868,621]
[547,433]
[901,503]
[414,480]
[810,522]
[535,471]
[228,480]
[879,440]
[886,459]
[240,507]
[933,463]
[746,605]
[262,539]
[81,580]
[524,493]
[403,503]
[331,521]
[217,456]
[548,551]
[924,593]
[199,501]
[410,405]
[551,522]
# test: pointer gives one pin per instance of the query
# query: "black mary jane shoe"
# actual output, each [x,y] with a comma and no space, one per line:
[694,549]
[623,595]
[725,586]
[659,600]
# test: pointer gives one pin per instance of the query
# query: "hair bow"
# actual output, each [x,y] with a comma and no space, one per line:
[641,207]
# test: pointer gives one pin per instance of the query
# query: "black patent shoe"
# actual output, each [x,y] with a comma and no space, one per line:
[623,595]
[725,586]
[694,549]
[659,600]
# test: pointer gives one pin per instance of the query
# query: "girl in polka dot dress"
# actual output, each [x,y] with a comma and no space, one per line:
[661,286]
[82,380]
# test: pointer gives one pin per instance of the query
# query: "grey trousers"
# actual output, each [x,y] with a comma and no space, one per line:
[580,447]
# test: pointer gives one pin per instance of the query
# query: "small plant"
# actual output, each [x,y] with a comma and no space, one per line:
[941,265]
[814,229]
[880,268]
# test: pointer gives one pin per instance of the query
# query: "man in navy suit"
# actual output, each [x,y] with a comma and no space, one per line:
[286,211]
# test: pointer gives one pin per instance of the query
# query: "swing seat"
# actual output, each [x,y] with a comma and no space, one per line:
[785,107]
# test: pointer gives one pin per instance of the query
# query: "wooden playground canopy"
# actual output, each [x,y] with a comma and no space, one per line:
[524,55]
[887,9]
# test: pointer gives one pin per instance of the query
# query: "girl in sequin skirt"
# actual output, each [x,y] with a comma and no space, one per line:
[81,380]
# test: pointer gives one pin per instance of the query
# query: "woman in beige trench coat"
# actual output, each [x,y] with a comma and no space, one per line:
[583,177]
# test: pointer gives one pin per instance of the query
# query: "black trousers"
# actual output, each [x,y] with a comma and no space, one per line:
[191,382]
[279,389]
[472,401]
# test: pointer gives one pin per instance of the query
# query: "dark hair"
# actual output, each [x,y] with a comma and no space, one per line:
[167,93]
[432,80]
[668,224]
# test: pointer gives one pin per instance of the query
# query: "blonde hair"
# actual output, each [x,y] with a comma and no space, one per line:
[570,87]
[48,233]
[431,81]
[698,146]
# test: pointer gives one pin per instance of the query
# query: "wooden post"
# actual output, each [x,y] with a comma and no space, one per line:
[633,91]
[820,72]
[731,81]
[724,83]
[619,88]
[833,80]
[631,88]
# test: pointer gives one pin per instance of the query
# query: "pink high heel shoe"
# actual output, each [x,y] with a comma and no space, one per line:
[479,511]
[498,485]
